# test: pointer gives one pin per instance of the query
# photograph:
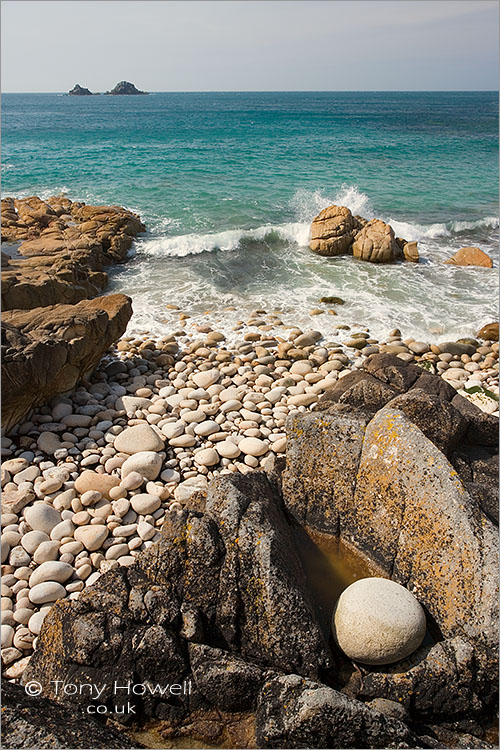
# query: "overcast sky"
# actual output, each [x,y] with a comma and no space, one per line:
[241,45]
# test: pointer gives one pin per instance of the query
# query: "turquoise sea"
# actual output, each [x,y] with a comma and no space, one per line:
[228,183]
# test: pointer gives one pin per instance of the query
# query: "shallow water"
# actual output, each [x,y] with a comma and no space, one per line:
[228,184]
[330,566]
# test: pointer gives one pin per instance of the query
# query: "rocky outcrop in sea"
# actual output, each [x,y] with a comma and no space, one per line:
[335,231]
[79,91]
[125,88]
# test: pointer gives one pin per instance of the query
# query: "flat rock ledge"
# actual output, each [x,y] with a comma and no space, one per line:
[51,334]
[222,601]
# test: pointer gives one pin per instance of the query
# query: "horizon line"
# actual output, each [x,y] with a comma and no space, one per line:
[278,91]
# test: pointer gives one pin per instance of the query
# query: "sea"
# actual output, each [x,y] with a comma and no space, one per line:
[228,184]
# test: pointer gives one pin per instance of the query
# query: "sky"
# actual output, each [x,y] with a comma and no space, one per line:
[250,45]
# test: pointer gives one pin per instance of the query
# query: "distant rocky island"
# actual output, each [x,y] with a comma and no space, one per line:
[79,91]
[123,88]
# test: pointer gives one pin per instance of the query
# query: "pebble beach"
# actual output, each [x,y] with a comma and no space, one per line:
[88,478]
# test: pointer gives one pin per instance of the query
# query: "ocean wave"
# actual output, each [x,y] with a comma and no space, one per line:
[193,244]
[412,231]
[307,204]
[296,233]
[489,222]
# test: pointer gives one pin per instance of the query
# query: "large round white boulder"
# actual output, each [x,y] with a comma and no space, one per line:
[376,621]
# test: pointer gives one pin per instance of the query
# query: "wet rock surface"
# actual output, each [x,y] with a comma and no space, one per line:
[335,231]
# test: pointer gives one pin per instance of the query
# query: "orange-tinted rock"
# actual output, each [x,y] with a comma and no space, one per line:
[410,252]
[470,256]
[45,351]
[489,332]
[376,243]
[332,231]
[64,249]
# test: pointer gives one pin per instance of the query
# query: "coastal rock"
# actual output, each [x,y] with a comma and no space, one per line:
[379,483]
[51,571]
[333,230]
[376,621]
[13,501]
[143,504]
[358,389]
[125,88]
[46,351]
[293,712]
[234,568]
[42,723]
[438,419]
[322,458]
[48,591]
[489,332]
[78,90]
[470,256]
[482,428]
[91,537]
[225,680]
[441,522]
[253,446]
[436,681]
[376,243]
[42,517]
[262,580]
[410,252]
[61,261]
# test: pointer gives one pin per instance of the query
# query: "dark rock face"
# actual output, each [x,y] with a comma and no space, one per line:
[358,389]
[482,428]
[261,576]
[229,579]
[226,681]
[125,88]
[79,91]
[440,681]
[294,713]
[438,419]
[39,722]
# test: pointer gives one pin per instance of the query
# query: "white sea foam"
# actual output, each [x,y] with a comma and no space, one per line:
[489,222]
[307,204]
[413,231]
[194,244]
